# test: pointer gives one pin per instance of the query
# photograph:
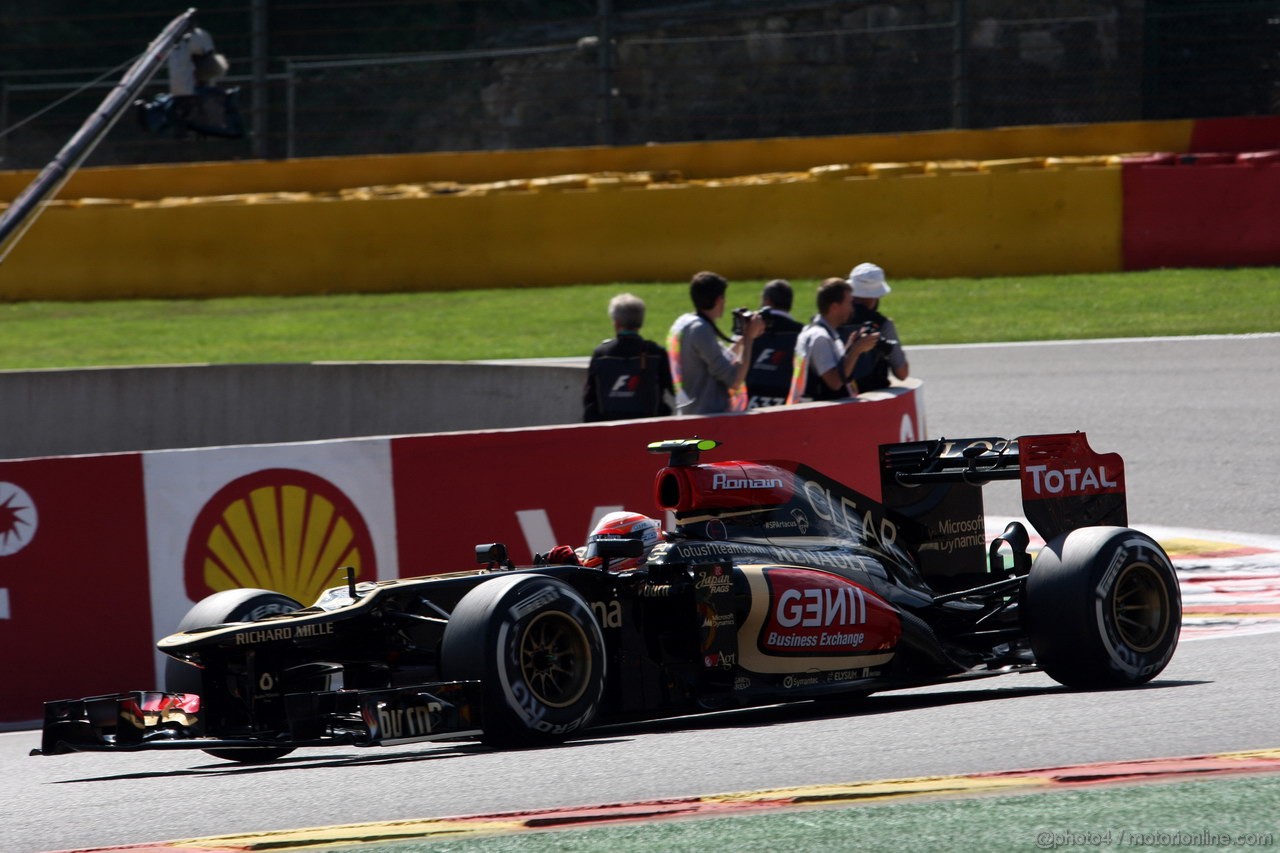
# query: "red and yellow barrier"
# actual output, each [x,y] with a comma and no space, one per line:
[918,203]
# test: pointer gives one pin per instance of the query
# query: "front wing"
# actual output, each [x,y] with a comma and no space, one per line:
[155,720]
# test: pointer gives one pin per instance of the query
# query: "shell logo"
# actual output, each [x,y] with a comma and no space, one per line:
[18,519]
[280,529]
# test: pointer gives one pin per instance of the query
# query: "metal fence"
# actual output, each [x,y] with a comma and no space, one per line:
[391,76]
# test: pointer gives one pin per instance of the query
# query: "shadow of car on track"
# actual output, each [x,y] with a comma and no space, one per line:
[363,758]
[835,707]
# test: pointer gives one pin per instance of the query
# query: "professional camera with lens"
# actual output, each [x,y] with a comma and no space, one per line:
[884,346]
[742,316]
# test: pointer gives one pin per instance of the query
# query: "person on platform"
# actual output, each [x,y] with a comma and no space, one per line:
[195,67]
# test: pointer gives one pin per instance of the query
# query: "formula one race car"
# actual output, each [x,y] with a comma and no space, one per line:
[776,584]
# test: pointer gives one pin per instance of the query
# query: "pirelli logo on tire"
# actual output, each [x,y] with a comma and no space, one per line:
[281,529]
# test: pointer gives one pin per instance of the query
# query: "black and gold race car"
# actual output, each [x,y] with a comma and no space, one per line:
[775,583]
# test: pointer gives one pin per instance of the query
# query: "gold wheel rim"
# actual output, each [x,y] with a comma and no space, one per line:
[1140,607]
[555,659]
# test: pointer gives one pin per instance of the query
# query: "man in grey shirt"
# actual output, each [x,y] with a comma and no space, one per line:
[824,361]
[708,367]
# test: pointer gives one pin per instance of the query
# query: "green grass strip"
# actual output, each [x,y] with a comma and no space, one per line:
[570,321]
[1240,813]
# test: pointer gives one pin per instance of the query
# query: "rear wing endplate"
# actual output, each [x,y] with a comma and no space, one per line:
[1065,483]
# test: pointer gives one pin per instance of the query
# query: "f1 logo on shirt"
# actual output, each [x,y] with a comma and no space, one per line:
[625,385]
[771,355]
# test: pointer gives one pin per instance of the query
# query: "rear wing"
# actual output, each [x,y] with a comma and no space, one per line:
[1065,485]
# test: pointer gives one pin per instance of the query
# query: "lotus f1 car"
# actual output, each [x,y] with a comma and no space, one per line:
[776,583]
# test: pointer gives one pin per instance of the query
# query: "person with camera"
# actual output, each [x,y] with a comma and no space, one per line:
[824,360]
[628,377]
[775,307]
[871,373]
[769,378]
[195,102]
[195,67]
[707,366]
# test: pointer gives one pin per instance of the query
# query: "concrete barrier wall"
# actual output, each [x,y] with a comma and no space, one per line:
[1003,218]
[107,410]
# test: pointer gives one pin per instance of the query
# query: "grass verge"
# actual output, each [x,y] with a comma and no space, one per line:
[1235,814]
[570,321]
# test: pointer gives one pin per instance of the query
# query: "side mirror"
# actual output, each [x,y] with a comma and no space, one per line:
[493,555]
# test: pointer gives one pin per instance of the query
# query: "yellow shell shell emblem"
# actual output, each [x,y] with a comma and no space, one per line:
[280,529]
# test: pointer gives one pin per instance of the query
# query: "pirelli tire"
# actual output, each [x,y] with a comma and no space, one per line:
[1102,608]
[230,605]
[538,652]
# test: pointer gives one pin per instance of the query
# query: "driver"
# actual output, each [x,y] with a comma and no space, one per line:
[627,525]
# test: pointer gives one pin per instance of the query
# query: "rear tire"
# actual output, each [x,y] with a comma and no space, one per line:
[538,652]
[230,605]
[1103,608]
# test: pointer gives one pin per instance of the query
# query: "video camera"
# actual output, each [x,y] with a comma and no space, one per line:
[211,111]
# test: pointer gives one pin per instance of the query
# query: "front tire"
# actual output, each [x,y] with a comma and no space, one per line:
[221,608]
[1103,608]
[537,650]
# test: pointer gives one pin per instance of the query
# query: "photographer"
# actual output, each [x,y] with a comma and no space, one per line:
[195,102]
[871,373]
[707,366]
[769,379]
[823,360]
[775,307]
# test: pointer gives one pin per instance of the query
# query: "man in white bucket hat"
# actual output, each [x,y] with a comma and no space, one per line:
[872,370]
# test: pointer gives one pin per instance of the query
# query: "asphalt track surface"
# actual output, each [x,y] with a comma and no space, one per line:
[1195,420]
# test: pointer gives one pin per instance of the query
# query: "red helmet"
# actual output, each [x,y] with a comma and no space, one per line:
[627,525]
